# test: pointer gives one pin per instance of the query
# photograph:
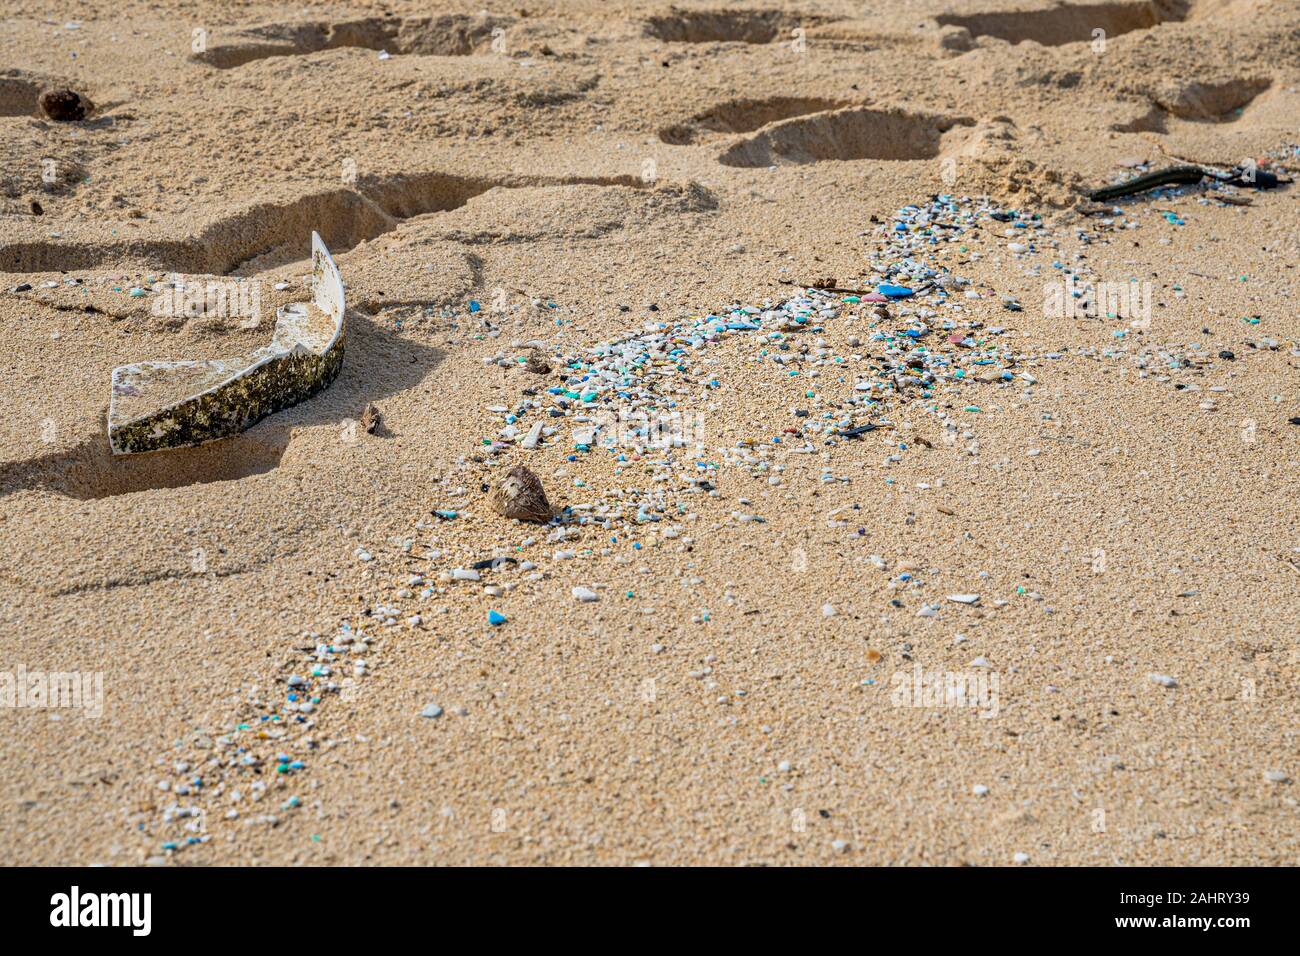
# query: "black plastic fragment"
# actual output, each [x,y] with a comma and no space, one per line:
[857,431]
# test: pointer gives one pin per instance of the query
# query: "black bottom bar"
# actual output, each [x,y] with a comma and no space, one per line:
[1222,906]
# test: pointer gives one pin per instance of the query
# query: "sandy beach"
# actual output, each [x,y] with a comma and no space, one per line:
[908,505]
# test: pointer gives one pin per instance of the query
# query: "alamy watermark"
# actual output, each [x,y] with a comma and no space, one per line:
[53,690]
[75,908]
[1066,299]
[634,428]
[975,688]
[221,298]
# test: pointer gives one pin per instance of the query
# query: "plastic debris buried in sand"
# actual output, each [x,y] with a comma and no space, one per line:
[160,405]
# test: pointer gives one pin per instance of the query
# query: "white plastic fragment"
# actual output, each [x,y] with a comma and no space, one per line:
[159,405]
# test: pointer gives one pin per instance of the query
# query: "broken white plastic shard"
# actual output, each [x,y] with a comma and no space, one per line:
[159,405]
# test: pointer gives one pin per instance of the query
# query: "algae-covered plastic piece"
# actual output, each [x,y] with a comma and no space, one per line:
[160,405]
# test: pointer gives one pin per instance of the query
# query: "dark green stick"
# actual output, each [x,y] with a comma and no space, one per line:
[1180,175]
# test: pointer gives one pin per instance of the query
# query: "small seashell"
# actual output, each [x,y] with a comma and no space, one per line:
[520,495]
[371,418]
[537,363]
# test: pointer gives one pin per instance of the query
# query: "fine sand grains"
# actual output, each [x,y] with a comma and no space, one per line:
[902,510]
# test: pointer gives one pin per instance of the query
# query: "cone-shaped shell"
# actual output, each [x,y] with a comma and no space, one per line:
[520,495]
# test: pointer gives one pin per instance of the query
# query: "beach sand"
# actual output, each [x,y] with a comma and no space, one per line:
[1123,503]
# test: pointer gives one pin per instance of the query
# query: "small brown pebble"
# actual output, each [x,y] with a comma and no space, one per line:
[62,105]
[371,418]
[520,495]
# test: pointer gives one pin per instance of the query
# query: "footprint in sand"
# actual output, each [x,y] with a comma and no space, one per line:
[742,116]
[1175,103]
[448,35]
[261,235]
[847,134]
[726,26]
[18,95]
[1055,26]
